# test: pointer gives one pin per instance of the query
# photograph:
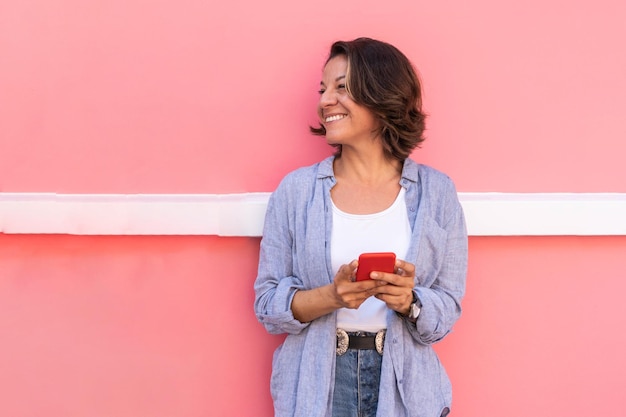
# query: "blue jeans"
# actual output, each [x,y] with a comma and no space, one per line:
[357,378]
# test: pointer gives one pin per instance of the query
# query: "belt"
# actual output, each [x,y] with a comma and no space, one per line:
[360,341]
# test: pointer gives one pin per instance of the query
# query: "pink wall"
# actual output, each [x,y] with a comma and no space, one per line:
[130,326]
[205,97]
[137,96]
[541,334]
[163,326]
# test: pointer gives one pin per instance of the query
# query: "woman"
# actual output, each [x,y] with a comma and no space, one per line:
[368,197]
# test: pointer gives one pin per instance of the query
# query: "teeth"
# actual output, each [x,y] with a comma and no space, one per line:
[335,117]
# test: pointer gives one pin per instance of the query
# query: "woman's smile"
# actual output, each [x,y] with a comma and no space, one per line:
[334,118]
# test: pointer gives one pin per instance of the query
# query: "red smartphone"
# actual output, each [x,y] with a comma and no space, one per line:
[375,261]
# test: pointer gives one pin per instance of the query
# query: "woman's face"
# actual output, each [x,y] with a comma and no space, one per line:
[346,122]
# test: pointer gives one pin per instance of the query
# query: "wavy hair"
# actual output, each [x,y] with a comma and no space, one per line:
[382,79]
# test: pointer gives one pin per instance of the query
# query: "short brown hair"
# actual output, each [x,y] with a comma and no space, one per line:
[382,79]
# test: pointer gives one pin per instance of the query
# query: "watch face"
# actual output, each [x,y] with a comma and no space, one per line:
[415,311]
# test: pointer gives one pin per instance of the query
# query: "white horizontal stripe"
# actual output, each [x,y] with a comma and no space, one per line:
[487,214]
[549,214]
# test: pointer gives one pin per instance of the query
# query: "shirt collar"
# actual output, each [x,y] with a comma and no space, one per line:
[409,170]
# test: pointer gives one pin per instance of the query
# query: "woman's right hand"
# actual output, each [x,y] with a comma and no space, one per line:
[348,292]
[307,305]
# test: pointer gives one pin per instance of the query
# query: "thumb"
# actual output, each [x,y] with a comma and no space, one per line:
[346,272]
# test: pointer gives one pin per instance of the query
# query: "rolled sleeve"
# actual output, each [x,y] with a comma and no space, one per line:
[441,300]
[276,283]
[273,306]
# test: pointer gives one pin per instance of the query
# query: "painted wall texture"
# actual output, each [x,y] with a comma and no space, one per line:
[204,97]
[189,96]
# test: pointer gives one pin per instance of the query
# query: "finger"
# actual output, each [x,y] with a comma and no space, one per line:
[352,295]
[400,307]
[404,268]
[346,271]
[396,300]
[391,290]
[393,279]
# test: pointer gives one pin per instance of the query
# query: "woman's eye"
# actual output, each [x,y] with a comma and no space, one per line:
[339,87]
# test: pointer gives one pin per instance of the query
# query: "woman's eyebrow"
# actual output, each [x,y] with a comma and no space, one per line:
[341,77]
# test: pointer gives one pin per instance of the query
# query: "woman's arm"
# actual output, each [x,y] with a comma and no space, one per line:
[308,305]
[441,295]
[276,283]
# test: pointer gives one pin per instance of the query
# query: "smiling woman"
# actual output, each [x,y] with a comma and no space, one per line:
[369,197]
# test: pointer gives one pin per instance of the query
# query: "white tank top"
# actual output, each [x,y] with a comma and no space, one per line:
[353,234]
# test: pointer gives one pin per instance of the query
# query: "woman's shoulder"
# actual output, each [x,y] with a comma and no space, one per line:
[306,175]
[437,191]
[427,175]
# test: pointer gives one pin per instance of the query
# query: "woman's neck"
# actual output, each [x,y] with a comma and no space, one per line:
[371,168]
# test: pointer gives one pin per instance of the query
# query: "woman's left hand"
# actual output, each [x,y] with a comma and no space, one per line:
[396,290]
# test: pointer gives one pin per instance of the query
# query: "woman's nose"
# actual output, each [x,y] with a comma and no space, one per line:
[327,98]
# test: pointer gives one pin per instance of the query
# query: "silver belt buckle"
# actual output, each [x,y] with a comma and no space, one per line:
[342,341]
[380,341]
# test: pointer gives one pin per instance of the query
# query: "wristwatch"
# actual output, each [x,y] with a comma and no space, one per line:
[415,308]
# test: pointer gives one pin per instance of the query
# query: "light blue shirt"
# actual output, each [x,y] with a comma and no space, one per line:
[295,255]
